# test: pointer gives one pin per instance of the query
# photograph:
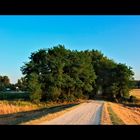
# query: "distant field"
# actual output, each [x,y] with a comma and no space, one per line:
[127,115]
[135,92]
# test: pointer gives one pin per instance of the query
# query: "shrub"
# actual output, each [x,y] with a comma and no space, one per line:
[34,88]
[78,94]
[71,98]
[54,93]
[63,97]
[132,98]
[14,96]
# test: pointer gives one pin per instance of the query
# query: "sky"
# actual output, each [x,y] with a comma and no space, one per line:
[117,37]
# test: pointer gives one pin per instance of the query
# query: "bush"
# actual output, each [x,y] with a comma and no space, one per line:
[54,93]
[14,96]
[34,88]
[78,94]
[35,96]
[132,99]
[63,97]
[71,98]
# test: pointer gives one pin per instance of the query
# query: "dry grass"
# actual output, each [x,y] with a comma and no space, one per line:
[135,92]
[8,107]
[105,118]
[115,119]
[48,117]
[20,112]
[53,115]
[127,114]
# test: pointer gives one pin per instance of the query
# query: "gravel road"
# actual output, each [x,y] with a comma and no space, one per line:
[88,113]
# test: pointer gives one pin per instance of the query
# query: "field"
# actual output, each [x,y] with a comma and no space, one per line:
[119,114]
[136,92]
[16,109]
[128,115]
[122,114]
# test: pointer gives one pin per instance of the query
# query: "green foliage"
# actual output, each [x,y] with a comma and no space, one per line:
[54,93]
[62,74]
[132,99]
[4,82]
[34,88]
[135,84]
[14,96]
[22,84]
[112,77]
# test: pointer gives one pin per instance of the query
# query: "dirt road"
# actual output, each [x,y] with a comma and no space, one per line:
[87,113]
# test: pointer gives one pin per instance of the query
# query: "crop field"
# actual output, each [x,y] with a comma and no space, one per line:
[135,92]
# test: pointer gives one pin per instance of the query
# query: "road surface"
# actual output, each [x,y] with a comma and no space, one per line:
[88,113]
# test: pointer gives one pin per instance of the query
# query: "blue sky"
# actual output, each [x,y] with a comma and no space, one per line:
[118,37]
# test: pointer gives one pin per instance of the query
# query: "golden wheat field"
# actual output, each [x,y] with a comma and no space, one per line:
[129,115]
[135,92]
[7,107]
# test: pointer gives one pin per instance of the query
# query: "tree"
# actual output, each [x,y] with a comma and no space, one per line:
[4,82]
[124,75]
[34,88]
[63,74]
[22,84]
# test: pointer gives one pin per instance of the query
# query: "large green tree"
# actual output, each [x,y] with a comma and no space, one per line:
[66,75]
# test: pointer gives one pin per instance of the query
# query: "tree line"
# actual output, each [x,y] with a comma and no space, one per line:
[6,85]
[60,74]
[4,82]
[136,83]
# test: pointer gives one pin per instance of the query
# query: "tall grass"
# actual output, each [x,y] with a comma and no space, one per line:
[8,107]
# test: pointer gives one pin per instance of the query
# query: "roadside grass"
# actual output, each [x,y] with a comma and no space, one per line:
[136,93]
[102,114]
[20,112]
[114,118]
[105,117]
[8,107]
[136,103]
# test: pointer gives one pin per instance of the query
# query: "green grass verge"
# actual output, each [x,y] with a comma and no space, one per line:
[114,118]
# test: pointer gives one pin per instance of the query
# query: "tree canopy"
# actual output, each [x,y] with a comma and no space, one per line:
[4,82]
[63,74]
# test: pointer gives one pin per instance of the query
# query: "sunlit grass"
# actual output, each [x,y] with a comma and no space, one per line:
[114,118]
